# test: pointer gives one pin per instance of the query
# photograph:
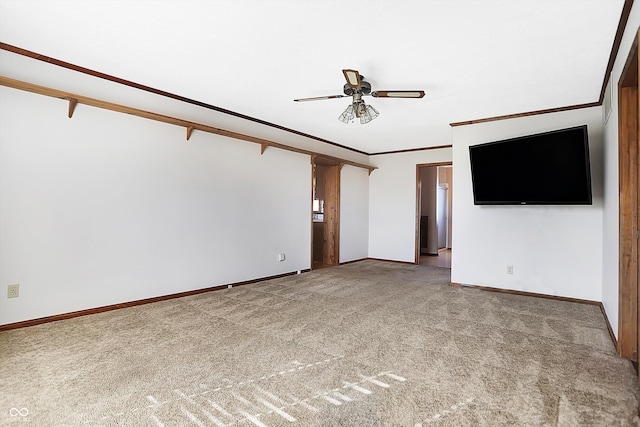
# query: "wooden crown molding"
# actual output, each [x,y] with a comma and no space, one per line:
[624,18]
[94,73]
[622,24]
[409,150]
[529,113]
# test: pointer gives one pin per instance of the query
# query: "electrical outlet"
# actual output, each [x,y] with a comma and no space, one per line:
[13,291]
[509,269]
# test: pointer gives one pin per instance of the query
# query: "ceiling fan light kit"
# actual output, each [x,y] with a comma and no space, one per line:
[357,87]
[360,110]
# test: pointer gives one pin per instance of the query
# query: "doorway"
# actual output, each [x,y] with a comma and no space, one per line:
[629,189]
[434,188]
[325,221]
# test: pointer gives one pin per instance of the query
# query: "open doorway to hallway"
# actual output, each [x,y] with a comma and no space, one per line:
[434,228]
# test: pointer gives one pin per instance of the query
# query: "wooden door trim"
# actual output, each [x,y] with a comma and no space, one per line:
[628,296]
[416,255]
[332,201]
[313,176]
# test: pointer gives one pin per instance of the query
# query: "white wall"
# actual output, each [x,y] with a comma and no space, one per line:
[354,213]
[610,252]
[106,208]
[445,176]
[554,250]
[392,202]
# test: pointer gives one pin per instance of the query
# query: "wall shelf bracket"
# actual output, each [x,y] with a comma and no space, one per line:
[72,106]
[75,99]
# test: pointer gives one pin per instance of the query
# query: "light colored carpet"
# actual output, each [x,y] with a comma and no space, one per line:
[365,344]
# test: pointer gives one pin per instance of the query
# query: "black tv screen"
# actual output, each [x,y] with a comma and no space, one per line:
[550,168]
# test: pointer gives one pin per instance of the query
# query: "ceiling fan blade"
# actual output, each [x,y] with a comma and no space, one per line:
[353,78]
[398,94]
[318,98]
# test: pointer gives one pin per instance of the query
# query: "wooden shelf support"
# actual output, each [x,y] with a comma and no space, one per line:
[75,99]
[72,106]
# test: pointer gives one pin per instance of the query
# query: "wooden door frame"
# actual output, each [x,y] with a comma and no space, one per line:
[328,162]
[628,185]
[331,249]
[418,204]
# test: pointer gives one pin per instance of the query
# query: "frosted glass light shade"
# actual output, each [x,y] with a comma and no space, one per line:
[368,114]
[348,114]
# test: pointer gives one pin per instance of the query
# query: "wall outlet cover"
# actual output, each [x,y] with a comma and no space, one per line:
[13,291]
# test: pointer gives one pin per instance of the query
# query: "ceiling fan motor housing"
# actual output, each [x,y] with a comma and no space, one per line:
[365,88]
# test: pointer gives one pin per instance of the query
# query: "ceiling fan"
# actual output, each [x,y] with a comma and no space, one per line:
[357,87]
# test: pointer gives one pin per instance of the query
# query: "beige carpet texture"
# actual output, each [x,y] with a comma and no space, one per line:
[365,344]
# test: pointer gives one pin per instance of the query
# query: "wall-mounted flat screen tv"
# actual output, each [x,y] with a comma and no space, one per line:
[550,168]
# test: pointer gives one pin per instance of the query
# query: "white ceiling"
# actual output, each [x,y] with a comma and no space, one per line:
[474,58]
